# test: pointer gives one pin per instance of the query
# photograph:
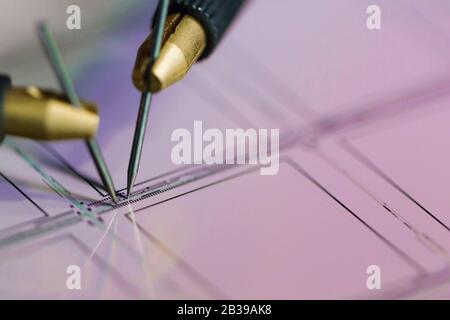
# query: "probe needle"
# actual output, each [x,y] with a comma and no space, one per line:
[146,97]
[54,55]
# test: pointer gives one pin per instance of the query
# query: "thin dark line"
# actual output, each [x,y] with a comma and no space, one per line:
[402,254]
[194,273]
[284,146]
[157,189]
[363,159]
[295,166]
[162,175]
[199,188]
[60,158]
[24,194]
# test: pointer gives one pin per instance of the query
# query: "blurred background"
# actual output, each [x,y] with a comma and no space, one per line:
[363,117]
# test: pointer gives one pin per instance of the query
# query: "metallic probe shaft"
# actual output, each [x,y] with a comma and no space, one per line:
[146,97]
[55,58]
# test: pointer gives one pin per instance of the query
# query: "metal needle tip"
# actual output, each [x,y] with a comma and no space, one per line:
[130,180]
[138,139]
[146,97]
[54,55]
[129,186]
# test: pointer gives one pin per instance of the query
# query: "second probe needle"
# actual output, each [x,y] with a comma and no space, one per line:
[57,63]
[146,97]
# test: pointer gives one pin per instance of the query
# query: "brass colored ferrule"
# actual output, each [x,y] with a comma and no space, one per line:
[41,114]
[183,44]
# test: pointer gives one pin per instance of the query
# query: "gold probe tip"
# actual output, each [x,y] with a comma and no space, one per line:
[44,115]
[183,44]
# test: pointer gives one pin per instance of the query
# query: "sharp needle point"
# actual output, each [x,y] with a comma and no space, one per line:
[146,97]
[54,56]
[129,186]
